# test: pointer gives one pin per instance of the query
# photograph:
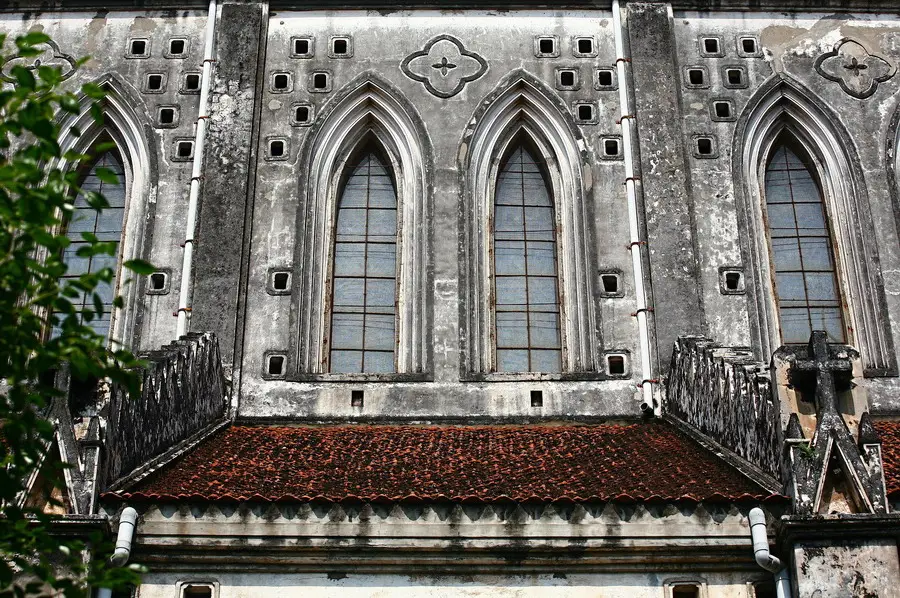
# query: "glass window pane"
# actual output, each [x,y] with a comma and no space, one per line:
[349,259]
[512,360]
[346,331]
[351,224]
[820,287]
[380,294]
[346,362]
[381,260]
[790,286]
[542,258]
[786,254]
[509,218]
[378,362]
[545,361]
[509,257]
[781,220]
[512,329]
[816,254]
[795,325]
[382,225]
[379,332]
[810,219]
[542,293]
[544,330]
[828,319]
[349,293]
[511,292]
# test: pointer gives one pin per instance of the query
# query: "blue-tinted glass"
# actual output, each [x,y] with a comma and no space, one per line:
[805,279]
[525,269]
[365,271]
[107,225]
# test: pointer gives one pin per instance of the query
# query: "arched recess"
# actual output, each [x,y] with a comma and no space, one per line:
[782,107]
[367,111]
[525,108]
[136,147]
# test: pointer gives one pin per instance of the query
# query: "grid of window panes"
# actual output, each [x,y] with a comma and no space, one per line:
[363,315]
[525,270]
[107,225]
[805,280]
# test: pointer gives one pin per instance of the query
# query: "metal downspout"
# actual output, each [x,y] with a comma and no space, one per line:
[124,538]
[626,120]
[764,558]
[196,176]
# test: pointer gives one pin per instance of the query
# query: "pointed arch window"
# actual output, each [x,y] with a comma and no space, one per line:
[804,275]
[526,276]
[107,225]
[364,271]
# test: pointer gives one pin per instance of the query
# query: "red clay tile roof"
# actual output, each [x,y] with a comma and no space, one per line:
[576,462]
[889,431]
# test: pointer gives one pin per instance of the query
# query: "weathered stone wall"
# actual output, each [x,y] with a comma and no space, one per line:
[183,391]
[727,395]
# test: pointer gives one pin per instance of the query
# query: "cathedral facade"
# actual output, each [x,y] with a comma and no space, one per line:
[501,299]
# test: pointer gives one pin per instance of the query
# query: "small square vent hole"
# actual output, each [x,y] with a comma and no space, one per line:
[567,78]
[196,591]
[610,283]
[301,114]
[748,45]
[192,81]
[547,45]
[356,398]
[696,76]
[605,77]
[275,366]
[276,148]
[166,116]
[158,281]
[154,82]
[611,147]
[301,46]
[685,591]
[722,109]
[585,112]
[537,398]
[585,45]
[176,47]
[711,45]
[615,365]
[340,46]
[184,149]
[320,81]
[734,76]
[281,281]
[280,81]
[704,146]
[138,47]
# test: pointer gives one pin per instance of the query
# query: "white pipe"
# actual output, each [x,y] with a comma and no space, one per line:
[127,522]
[637,264]
[764,558]
[196,171]
[124,538]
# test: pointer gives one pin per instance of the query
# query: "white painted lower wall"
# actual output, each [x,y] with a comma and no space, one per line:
[319,585]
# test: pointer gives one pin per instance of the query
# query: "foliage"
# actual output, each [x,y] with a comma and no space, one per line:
[35,200]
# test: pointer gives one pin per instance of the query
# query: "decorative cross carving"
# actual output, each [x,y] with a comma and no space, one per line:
[856,66]
[820,361]
[444,66]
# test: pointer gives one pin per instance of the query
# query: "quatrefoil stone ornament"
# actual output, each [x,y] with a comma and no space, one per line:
[851,65]
[444,66]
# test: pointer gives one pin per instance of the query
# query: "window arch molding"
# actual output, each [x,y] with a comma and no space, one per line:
[368,109]
[783,107]
[135,143]
[524,106]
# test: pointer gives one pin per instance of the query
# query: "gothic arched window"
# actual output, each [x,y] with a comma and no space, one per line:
[526,277]
[804,277]
[363,335]
[107,226]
